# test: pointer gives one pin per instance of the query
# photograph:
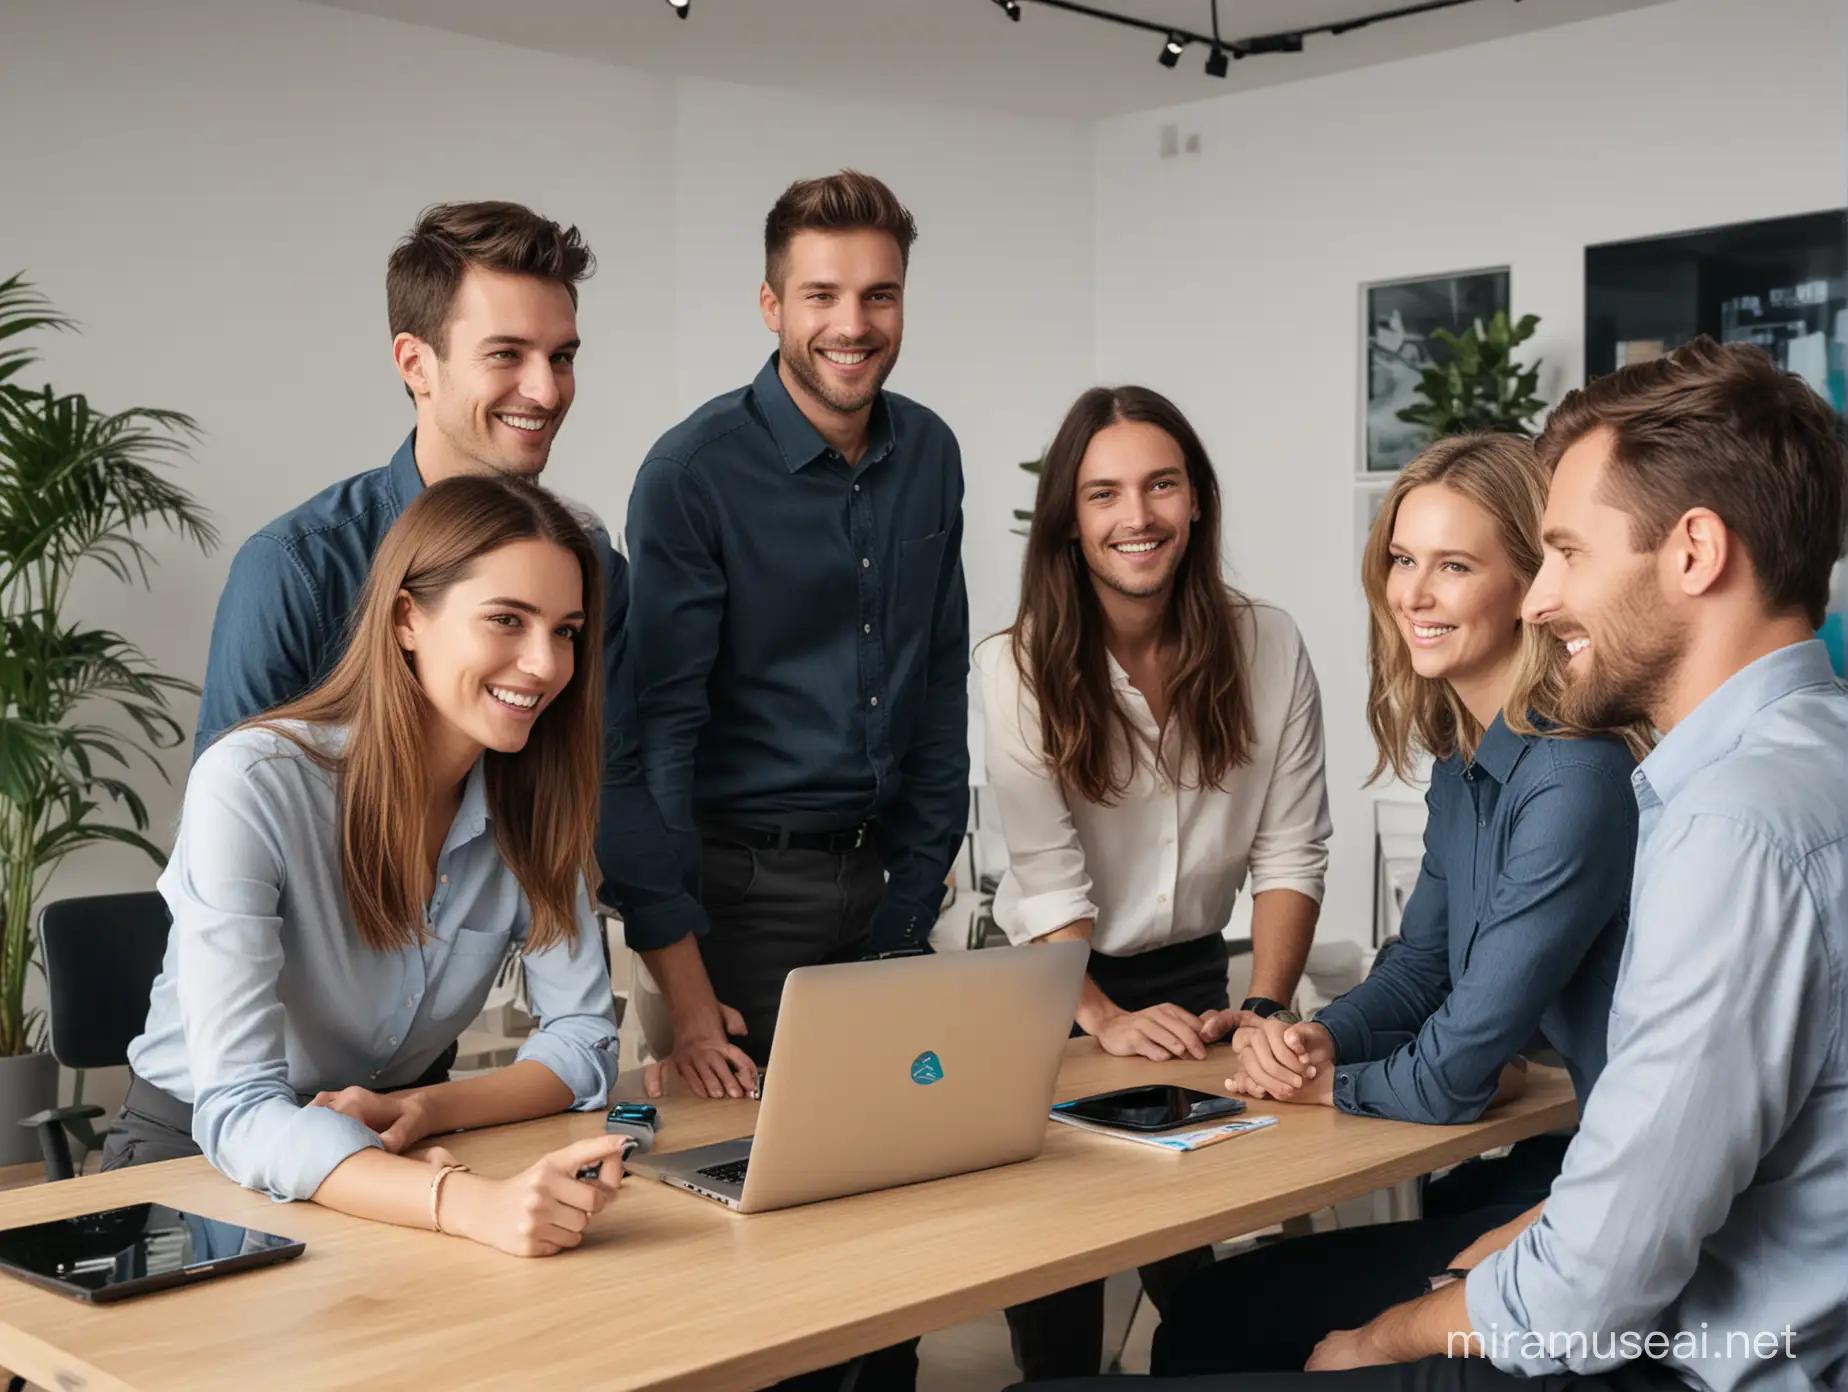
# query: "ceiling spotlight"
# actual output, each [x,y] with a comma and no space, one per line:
[1171,50]
[1216,64]
[681,7]
[1012,7]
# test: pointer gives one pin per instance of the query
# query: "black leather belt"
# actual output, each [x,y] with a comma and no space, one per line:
[783,839]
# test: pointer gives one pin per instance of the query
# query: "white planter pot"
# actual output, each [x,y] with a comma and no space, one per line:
[28,1084]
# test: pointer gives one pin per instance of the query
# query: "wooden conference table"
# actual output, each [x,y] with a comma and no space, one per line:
[670,1291]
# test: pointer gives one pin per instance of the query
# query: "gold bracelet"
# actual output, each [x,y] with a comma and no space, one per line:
[436,1193]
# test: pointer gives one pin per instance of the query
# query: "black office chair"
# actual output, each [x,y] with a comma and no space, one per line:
[101,956]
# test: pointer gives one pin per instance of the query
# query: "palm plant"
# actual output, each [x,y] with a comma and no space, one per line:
[76,486]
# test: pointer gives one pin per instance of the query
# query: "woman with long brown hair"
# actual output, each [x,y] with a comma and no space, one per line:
[1515,930]
[353,867]
[1154,738]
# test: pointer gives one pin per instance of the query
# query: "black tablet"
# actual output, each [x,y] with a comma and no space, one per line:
[123,1252]
[1158,1108]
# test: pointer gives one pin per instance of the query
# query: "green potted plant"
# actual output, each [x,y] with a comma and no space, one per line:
[80,705]
[1480,385]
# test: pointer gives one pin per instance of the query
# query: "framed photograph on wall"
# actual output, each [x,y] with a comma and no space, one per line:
[1400,318]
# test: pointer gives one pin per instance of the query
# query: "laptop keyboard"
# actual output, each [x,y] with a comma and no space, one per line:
[732,1172]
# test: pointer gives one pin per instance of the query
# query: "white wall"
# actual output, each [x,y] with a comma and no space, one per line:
[1230,279]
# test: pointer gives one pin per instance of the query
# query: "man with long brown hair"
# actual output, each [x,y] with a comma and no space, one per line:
[1155,739]
[482,303]
[801,637]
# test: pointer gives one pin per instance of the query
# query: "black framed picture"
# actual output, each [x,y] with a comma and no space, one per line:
[1401,316]
[1781,283]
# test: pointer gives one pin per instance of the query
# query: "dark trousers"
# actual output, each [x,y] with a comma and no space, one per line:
[1062,1335]
[1235,1317]
[154,1125]
[771,912]
[1522,1177]
[774,911]
[1429,1375]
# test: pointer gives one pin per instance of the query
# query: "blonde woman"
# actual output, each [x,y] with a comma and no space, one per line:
[1514,931]
[352,868]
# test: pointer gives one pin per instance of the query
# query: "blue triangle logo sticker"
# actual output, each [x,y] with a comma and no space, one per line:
[926,1069]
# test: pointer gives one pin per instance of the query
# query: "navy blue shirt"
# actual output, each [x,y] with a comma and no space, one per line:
[282,625]
[801,634]
[1516,927]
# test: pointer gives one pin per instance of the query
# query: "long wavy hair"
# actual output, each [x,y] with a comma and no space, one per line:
[1502,475]
[542,800]
[1057,637]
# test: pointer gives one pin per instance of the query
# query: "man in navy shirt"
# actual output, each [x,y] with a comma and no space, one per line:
[801,640]
[482,299]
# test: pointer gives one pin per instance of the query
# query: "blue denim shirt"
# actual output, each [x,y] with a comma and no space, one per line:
[1701,1216]
[282,625]
[1516,926]
[801,634]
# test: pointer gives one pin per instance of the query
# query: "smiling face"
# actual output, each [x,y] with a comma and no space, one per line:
[1135,508]
[1454,592]
[494,399]
[1604,600]
[839,316]
[496,648]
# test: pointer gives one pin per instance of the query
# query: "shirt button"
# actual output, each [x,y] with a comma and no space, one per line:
[442,879]
[1159,899]
[375,1073]
[394,1039]
[865,563]
[866,628]
[875,700]
[856,488]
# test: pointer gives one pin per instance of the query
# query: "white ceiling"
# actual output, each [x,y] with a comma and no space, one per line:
[965,52]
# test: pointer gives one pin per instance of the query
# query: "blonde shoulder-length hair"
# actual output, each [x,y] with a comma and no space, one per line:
[1407,713]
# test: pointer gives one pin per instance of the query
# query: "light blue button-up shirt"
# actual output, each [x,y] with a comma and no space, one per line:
[1702,1214]
[268,996]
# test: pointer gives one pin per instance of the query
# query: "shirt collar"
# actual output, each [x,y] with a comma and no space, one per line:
[1500,750]
[796,439]
[472,815]
[401,473]
[1714,727]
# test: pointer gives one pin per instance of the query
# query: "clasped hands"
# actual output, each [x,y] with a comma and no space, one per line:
[1283,1062]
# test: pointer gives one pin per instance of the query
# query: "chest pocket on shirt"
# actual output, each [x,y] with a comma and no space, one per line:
[920,563]
[466,973]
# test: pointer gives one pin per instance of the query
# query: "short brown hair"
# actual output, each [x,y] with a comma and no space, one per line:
[1722,427]
[426,267]
[843,202]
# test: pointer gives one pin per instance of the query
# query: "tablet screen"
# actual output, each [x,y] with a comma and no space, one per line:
[121,1251]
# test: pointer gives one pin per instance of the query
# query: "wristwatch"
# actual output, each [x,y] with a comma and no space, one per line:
[1449,1277]
[637,1120]
[1266,1008]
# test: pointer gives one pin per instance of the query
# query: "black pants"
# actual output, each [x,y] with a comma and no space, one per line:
[1522,1177]
[154,1125]
[771,912]
[774,911]
[1429,1375]
[1062,1335]
[1235,1317]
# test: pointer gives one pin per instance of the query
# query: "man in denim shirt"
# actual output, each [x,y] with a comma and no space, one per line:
[1697,1236]
[482,299]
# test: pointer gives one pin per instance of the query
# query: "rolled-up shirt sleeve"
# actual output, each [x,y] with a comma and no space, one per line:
[1564,879]
[1044,855]
[222,885]
[1290,849]
[1718,1034]
[568,987]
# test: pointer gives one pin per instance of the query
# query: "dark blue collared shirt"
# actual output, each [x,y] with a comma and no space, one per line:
[1516,927]
[801,634]
[281,627]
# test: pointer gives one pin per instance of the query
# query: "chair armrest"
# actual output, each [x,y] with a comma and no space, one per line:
[57,1116]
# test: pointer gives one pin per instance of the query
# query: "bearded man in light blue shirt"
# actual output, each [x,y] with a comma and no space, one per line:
[1697,1236]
